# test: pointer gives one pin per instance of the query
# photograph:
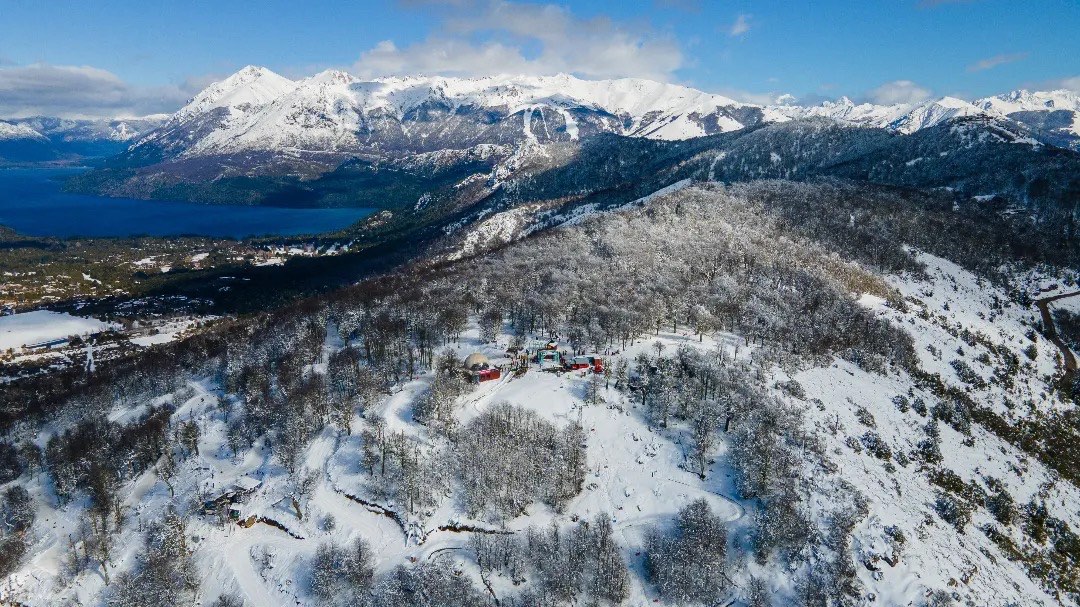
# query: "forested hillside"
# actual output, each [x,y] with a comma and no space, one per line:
[812,393]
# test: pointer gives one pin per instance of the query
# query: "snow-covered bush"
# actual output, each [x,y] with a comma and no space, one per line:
[427,584]
[558,566]
[342,575]
[688,564]
[509,457]
[165,574]
[953,511]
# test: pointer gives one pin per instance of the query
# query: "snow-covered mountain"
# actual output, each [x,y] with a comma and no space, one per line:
[1027,101]
[40,138]
[333,111]
[902,118]
[1055,115]
[245,91]
[107,129]
[20,143]
[10,131]
[240,140]
[882,428]
[333,114]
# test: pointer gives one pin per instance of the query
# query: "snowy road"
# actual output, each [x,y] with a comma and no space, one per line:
[1050,329]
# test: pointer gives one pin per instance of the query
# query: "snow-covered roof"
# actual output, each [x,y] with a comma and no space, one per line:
[476,359]
[247,483]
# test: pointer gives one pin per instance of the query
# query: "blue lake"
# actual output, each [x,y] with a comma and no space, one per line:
[33,204]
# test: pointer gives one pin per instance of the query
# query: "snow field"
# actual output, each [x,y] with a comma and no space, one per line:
[28,328]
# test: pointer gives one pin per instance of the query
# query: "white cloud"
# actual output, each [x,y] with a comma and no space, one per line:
[70,91]
[898,91]
[741,26]
[1071,84]
[498,37]
[996,60]
[756,98]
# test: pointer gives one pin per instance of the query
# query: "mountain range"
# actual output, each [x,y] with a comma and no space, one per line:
[461,148]
[333,115]
[43,138]
[333,111]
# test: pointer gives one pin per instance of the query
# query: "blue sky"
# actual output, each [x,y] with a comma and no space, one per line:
[126,57]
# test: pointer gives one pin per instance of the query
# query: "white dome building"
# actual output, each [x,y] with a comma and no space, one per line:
[476,360]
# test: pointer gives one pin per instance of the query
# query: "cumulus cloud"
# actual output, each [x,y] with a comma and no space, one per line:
[498,37]
[754,97]
[81,92]
[1073,84]
[741,26]
[996,60]
[1070,84]
[898,91]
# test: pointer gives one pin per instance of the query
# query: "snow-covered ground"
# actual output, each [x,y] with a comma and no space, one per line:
[934,556]
[166,331]
[957,316]
[637,473]
[29,328]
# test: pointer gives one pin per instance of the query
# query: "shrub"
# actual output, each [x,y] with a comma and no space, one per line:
[953,511]
[688,564]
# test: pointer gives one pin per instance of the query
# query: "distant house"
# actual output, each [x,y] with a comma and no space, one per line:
[589,361]
[46,345]
[247,484]
[241,488]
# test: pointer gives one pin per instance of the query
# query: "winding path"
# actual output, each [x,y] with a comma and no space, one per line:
[1050,330]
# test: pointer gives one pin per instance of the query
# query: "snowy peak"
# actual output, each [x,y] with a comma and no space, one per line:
[630,96]
[66,130]
[250,88]
[932,113]
[316,113]
[902,118]
[336,113]
[9,131]
[1053,115]
[1027,101]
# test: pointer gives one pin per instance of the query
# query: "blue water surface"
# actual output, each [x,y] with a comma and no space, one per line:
[32,203]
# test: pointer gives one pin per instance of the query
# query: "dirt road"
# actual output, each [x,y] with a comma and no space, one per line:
[1050,330]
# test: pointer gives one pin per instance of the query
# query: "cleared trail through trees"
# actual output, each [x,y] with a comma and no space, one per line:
[1050,330]
[730,499]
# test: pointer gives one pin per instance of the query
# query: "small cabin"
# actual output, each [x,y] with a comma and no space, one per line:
[589,361]
[541,344]
[48,345]
[244,486]
[247,484]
